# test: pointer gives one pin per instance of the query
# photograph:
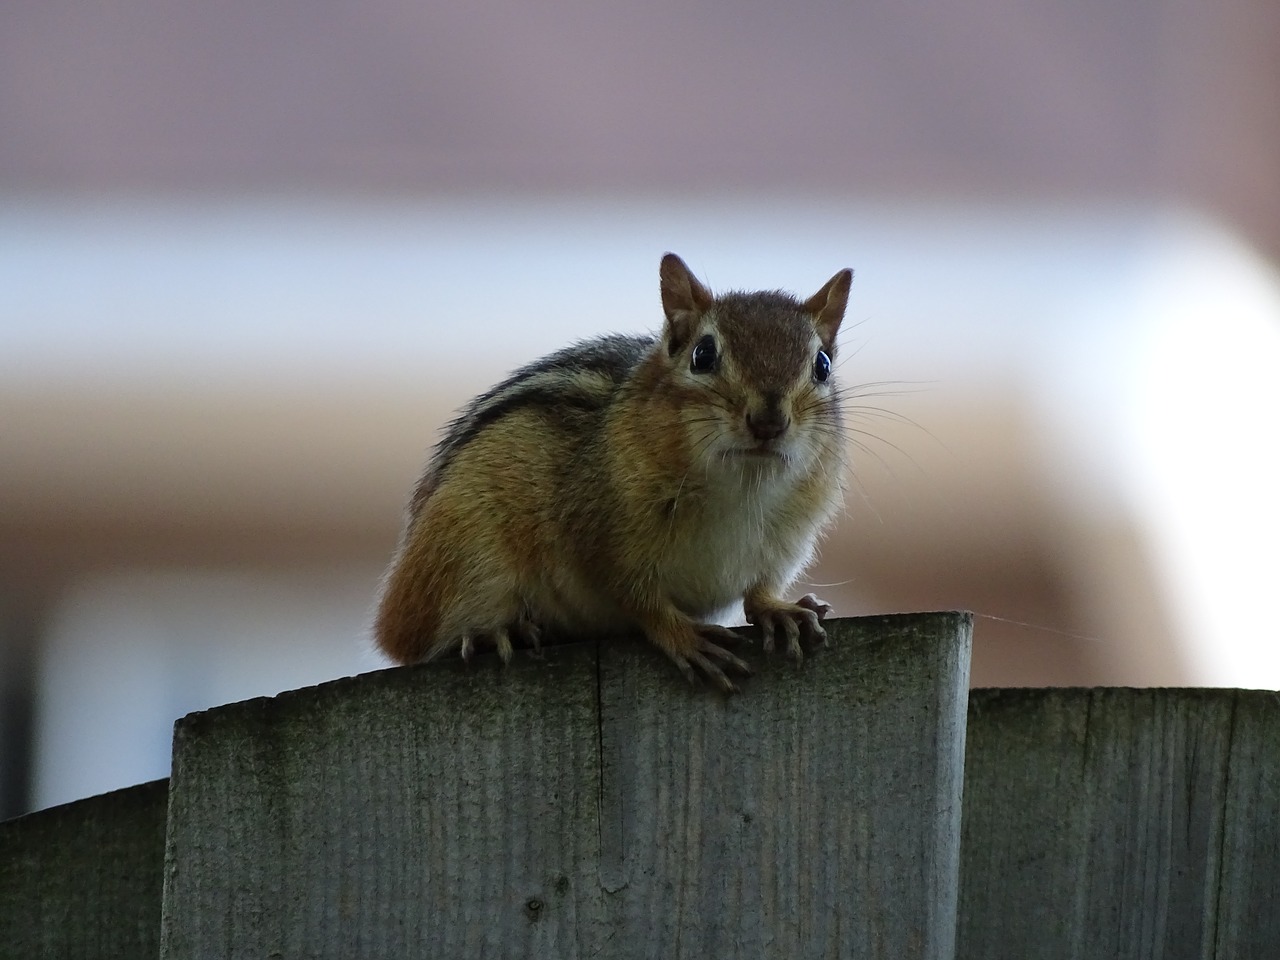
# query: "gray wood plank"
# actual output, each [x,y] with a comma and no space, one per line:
[1121,823]
[816,816]
[416,812]
[588,805]
[1246,910]
[82,881]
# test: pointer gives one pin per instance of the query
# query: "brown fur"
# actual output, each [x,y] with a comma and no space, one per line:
[645,502]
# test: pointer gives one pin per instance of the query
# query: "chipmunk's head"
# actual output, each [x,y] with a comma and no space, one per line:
[755,371]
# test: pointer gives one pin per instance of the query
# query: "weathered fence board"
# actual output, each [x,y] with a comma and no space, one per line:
[387,814]
[1121,823]
[587,805]
[816,816]
[83,881]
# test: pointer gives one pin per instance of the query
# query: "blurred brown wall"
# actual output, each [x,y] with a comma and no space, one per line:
[1146,100]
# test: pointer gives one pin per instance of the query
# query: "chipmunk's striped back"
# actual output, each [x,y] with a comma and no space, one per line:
[583,377]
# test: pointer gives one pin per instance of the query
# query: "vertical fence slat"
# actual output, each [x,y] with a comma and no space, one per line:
[82,881]
[816,816]
[437,811]
[1119,823]
[1247,910]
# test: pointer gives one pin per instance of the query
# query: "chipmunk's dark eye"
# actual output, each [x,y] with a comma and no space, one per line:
[704,355]
[821,366]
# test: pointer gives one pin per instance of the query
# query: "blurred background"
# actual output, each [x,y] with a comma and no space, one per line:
[253,255]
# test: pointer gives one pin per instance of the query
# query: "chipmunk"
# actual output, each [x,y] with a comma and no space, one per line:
[635,483]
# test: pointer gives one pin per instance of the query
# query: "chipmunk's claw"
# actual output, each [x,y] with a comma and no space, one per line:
[800,624]
[502,641]
[499,640]
[531,634]
[708,649]
[706,660]
[820,607]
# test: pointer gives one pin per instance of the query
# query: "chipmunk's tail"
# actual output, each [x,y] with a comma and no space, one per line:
[407,622]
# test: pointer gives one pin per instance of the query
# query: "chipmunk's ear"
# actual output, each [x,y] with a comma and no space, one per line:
[684,300]
[827,307]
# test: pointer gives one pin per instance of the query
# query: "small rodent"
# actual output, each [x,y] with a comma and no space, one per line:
[635,484]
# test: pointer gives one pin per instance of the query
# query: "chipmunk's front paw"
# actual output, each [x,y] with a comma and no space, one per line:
[800,623]
[698,653]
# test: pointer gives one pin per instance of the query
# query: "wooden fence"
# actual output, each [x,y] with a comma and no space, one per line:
[590,804]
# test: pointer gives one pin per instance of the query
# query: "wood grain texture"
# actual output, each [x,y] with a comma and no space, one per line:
[587,805]
[82,881]
[421,812]
[1121,823]
[816,816]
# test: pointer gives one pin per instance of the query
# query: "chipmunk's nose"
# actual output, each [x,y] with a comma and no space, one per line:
[769,423]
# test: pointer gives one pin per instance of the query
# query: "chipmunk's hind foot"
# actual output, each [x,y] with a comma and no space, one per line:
[498,639]
[503,640]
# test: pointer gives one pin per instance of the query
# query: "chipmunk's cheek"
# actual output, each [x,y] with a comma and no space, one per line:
[708,437]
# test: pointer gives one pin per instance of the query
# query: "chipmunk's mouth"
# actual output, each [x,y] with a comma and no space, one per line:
[762,452]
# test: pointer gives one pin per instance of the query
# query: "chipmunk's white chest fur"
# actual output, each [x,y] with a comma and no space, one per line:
[732,534]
